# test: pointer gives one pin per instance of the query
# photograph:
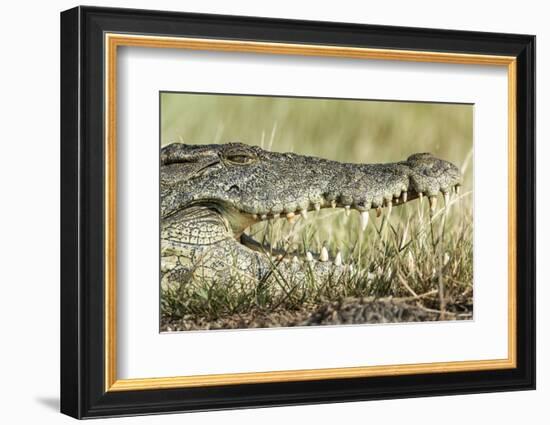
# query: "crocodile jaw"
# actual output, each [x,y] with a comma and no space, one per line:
[275,184]
[237,222]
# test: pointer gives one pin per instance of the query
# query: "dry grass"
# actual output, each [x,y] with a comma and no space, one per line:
[411,256]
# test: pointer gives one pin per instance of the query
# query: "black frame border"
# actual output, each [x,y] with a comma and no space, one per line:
[82,212]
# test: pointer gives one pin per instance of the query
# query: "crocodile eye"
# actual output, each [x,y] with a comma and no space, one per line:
[240,157]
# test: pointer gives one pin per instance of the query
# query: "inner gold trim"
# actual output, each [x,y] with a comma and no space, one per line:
[113,41]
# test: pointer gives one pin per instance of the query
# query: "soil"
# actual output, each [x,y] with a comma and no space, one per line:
[344,312]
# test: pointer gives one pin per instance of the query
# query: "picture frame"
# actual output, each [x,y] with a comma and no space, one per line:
[90,41]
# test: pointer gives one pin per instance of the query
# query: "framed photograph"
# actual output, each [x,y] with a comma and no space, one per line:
[261,212]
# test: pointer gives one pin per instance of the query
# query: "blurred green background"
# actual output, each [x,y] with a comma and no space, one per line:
[344,130]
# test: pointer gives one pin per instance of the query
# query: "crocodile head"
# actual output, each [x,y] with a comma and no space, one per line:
[228,188]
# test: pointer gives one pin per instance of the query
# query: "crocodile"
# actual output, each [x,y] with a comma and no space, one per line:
[210,195]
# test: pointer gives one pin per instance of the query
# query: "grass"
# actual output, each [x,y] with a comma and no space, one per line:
[424,259]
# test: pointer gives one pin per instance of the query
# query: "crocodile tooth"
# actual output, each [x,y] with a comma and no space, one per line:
[404,196]
[255,216]
[457,189]
[446,198]
[389,205]
[317,207]
[364,220]
[338,259]
[291,217]
[378,211]
[303,213]
[351,268]
[333,203]
[433,203]
[347,210]
[309,257]
[324,255]
[263,216]
[295,260]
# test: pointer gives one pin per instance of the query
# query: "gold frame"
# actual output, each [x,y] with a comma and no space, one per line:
[113,41]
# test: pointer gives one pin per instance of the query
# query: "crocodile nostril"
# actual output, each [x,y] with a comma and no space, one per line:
[421,157]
